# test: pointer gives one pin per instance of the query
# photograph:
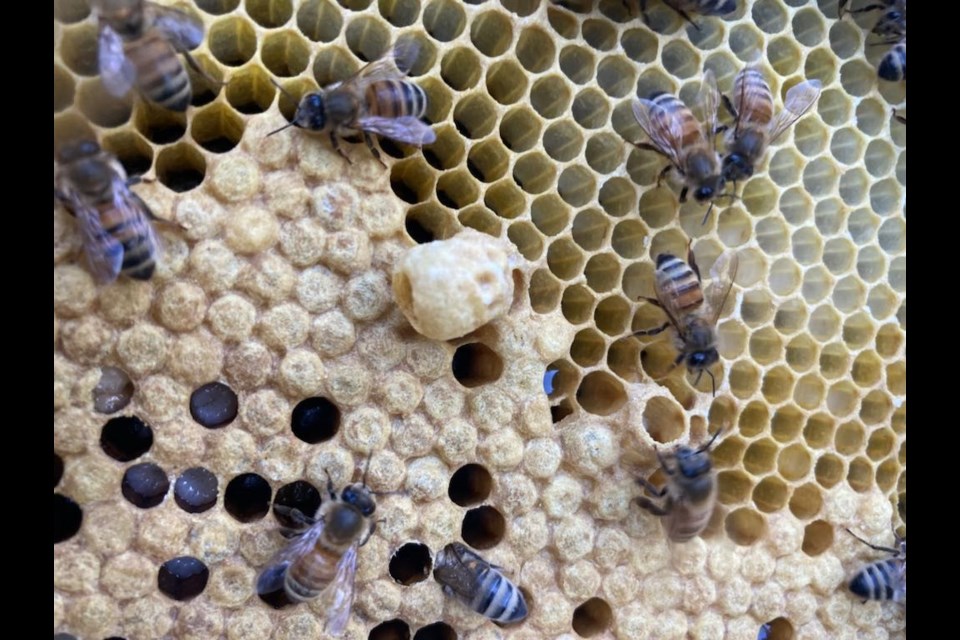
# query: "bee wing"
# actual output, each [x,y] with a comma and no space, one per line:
[342,591]
[116,71]
[799,100]
[664,130]
[272,576]
[709,99]
[723,273]
[104,252]
[182,30]
[406,129]
[392,66]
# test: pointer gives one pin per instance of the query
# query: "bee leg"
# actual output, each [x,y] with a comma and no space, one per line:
[899,118]
[652,301]
[692,260]
[667,169]
[200,70]
[335,142]
[728,105]
[649,505]
[684,15]
[652,332]
[333,494]
[683,194]
[373,149]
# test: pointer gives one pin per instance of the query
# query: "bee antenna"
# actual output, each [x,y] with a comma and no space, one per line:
[366,469]
[710,441]
[282,90]
[286,126]
[707,214]
[713,382]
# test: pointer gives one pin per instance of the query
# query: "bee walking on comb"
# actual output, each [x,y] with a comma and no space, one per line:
[480,585]
[891,27]
[377,99]
[679,293]
[114,221]
[139,44]
[322,558]
[883,579]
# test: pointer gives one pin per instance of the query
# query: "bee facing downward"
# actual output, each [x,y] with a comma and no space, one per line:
[478,584]
[139,43]
[677,134]
[755,127]
[884,579]
[679,293]
[689,495]
[114,221]
[322,559]
[377,99]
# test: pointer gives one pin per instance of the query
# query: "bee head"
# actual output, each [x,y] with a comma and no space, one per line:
[736,167]
[78,149]
[699,360]
[311,113]
[692,463]
[359,496]
[343,524]
[709,188]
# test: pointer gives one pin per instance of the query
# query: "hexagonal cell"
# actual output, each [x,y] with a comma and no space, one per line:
[577,63]
[858,330]
[880,443]
[819,430]
[78,49]
[460,68]
[849,294]
[760,457]
[457,189]
[882,301]
[592,617]
[734,227]
[439,100]
[491,33]
[232,40]
[412,180]
[777,384]
[640,45]
[834,107]
[520,129]
[622,358]
[563,140]
[887,473]
[886,196]
[867,369]
[534,173]
[897,275]
[475,364]
[70,11]
[744,379]
[368,38]
[131,149]
[806,501]
[612,316]
[860,475]
[535,50]
[754,419]
[289,98]
[181,167]
[765,345]
[784,55]
[829,470]
[897,378]
[285,54]
[551,96]
[829,215]
[821,64]
[428,222]
[601,394]
[566,378]
[588,347]
[824,323]
[756,308]
[842,398]
[820,177]
[663,419]
[744,526]
[746,42]
[506,81]
[63,88]
[817,537]
[604,153]
[801,352]
[320,20]
[794,462]
[527,239]
[475,116]
[250,91]
[733,487]
[817,284]
[796,206]
[770,15]
[892,235]
[771,494]
[602,272]
[809,391]
[217,128]
[876,406]
[544,291]
[269,13]
[577,186]
[680,59]
[395,629]
[617,196]
[590,109]
[616,76]
[889,340]
[790,316]
[784,168]
[549,214]
[444,20]
[217,7]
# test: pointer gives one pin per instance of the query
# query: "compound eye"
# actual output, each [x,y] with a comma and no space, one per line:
[704,193]
[698,359]
[314,100]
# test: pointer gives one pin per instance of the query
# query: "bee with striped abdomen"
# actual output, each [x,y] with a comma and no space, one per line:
[679,293]
[322,559]
[883,579]
[478,584]
[755,126]
[377,99]
[139,42]
[114,221]
[690,494]
[677,134]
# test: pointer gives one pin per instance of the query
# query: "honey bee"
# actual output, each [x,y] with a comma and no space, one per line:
[677,134]
[899,118]
[682,7]
[755,127]
[690,494]
[891,26]
[679,293]
[478,584]
[322,559]
[114,221]
[377,99]
[139,43]
[884,579]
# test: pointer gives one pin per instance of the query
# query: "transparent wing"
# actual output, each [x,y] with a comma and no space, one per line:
[182,30]
[341,592]
[406,129]
[392,66]
[708,100]
[139,214]
[722,275]
[663,128]
[272,576]
[799,100]
[104,252]
[116,71]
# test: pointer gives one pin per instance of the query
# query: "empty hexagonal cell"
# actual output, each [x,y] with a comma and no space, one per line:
[247,497]
[867,369]
[786,424]
[588,347]
[829,470]
[760,196]
[886,196]
[217,128]
[320,20]
[731,339]
[428,222]
[858,330]
[460,68]
[897,378]
[824,323]
[790,317]
[70,11]
[506,200]
[269,13]
[765,345]
[181,167]
[617,196]
[133,152]
[785,166]
[98,105]
[756,308]
[817,537]
[734,227]
[612,315]
[834,107]
[438,631]
[880,443]
[577,186]
[663,419]
[760,456]
[680,59]
[412,180]
[770,494]
[217,7]
[842,398]
[820,176]
[506,81]
[784,277]
[818,432]
[590,109]
[628,239]
[600,393]
[744,526]
[602,272]
[616,76]
[232,40]
[535,50]
[285,53]
[796,205]
[63,88]
[817,284]
[849,294]
[860,475]
[577,63]
[475,364]
[491,33]
[563,140]
[806,501]
[448,151]
[746,42]
[549,214]
[622,358]
[394,629]
[158,125]
[592,617]
[456,189]
[802,352]
[809,391]
[897,274]
[78,49]
[728,453]
[527,239]
[475,116]
[871,263]
[876,406]
[889,340]
[784,55]
[754,419]
[368,38]
[887,472]
[605,152]
[640,45]
[250,91]
[882,301]
[565,259]
[544,291]
[770,15]
[410,563]
[794,462]
[520,129]
[744,379]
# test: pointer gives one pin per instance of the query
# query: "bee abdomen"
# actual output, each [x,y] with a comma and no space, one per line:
[678,281]
[893,66]
[309,575]
[395,99]
[499,599]
[751,92]
[877,581]
[161,77]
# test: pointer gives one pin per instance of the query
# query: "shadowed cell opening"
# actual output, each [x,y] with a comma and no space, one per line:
[592,617]
[476,364]
[390,630]
[436,631]
[411,563]
[315,420]
[470,485]
[483,527]
[300,495]
[126,438]
[247,497]
[67,517]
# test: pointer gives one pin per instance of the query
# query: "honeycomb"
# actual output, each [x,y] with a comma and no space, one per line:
[267,349]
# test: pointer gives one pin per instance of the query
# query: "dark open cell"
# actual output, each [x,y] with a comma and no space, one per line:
[277,599]
[57,469]
[183,578]
[213,405]
[560,411]
[315,420]
[483,527]
[419,233]
[411,563]
[476,364]
[126,438]
[247,497]
[145,485]
[195,490]
[300,495]
[390,630]
[470,485]
[113,391]
[435,631]
[67,517]
[592,617]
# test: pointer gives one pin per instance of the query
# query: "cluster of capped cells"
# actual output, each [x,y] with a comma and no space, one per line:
[268,349]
